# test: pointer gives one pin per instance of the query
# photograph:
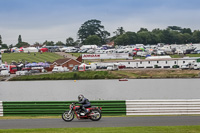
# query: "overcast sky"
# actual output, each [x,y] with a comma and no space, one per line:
[56,20]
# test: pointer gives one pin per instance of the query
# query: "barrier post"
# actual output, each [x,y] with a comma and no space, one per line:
[1,108]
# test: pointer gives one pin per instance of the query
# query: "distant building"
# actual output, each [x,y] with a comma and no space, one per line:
[67,62]
[158,62]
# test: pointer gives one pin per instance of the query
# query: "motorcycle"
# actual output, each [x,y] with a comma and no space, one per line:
[94,113]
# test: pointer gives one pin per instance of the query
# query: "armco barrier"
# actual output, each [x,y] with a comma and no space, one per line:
[162,107]
[1,109]
[128,107]
[56,108]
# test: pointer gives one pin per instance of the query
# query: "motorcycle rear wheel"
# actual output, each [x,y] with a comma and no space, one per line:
[95,115]
[67,117]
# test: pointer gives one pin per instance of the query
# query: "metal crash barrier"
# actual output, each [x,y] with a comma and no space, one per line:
[110,108]
[163,107]
[1,108]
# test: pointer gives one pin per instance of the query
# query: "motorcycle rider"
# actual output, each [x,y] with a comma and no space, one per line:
[85,103]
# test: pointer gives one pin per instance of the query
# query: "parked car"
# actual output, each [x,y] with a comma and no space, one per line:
[82,51]
[90,51]
[34,71]
[18,73]
[121,66]
[4,73]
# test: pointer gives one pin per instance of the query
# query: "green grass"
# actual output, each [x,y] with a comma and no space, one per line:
[155,129]
[69,76]
[181,56]
[46,56]
[76,54]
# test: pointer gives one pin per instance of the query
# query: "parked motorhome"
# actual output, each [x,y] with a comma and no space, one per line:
[30,49]
[88,47]
[113,66]
[85,67]
[141,53]
[60,69]
[197,66]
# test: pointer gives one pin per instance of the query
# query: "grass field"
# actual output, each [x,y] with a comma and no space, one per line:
[47,56]
[160,129]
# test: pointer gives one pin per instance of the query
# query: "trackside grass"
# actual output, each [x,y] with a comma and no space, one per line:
[131,74]
[158,129]
[69,76]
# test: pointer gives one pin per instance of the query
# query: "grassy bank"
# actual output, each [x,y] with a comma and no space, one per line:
[69,76]
[157,73]
[46,56]
[130,74]
[160,129]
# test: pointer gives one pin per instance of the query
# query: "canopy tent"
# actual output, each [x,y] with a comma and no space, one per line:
[137,49]
[40,64]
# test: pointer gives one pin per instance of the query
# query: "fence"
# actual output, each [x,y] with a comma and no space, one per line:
[162,107]
[1,109]
[56,108]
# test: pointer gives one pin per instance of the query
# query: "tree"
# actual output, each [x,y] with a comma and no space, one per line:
[186,38]
[126,39]
[59,43]
[176,28]
[19,39]
[144,37]
[0,40]
[4,46]
[186,30]
[92,27]
[142,30]
[93,39]
[70,41]
[196,36]
[119,31]
[10,46]
[48,43]
[22,44]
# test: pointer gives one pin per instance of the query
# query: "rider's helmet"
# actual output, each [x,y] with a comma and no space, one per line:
[80,97]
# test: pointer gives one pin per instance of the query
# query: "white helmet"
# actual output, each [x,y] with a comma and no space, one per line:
[80,97]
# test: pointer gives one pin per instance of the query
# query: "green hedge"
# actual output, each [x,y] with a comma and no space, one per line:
[58,107]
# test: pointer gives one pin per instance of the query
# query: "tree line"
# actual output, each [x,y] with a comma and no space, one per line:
[93,32]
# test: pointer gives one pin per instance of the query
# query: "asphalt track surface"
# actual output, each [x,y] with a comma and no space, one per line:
[104,122]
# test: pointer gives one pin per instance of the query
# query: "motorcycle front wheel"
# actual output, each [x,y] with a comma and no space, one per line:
[95,115]
[66,116]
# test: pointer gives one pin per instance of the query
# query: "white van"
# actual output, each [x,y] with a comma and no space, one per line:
[4,73]
[112,67]
[60,69]
[197,66]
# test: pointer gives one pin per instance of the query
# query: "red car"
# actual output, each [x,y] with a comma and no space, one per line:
[121,66]
[44,49]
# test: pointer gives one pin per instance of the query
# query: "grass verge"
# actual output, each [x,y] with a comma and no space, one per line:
[69,76]
[155,129]
[131,74]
